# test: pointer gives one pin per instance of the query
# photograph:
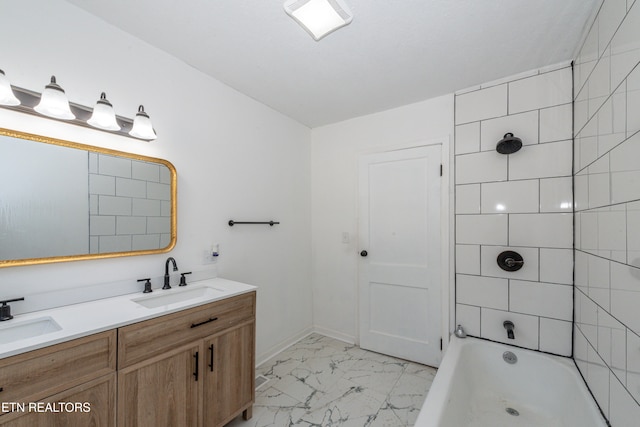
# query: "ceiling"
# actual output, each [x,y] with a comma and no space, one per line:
[393,53]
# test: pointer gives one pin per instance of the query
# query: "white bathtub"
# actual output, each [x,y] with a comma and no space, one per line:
[475,387]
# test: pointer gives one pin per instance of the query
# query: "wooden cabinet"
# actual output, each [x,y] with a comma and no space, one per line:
[230,381]
[95,405]
[161,391]
[191,368]
[73,372]
[207,380]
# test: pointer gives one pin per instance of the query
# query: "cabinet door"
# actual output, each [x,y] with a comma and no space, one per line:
[229,366]
[161,391]
[90,404]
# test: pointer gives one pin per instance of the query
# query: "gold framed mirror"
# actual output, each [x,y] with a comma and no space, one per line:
[66,201]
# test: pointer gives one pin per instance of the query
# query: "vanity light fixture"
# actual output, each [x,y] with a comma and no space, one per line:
[142,127]
[319,17]
[54,102]
[7,97]
[103,116]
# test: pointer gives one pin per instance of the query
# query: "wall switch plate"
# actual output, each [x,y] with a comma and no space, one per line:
[345,237]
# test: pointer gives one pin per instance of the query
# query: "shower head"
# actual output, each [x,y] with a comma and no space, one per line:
[509,144]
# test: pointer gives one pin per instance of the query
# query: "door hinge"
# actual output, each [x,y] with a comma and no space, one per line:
[440,344]
[440,169]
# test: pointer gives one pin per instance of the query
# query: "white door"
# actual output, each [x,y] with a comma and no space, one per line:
[399,274]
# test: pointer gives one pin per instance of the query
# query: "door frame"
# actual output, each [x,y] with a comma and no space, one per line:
[447,290]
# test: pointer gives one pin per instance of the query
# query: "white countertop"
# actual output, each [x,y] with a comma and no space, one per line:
[79,320]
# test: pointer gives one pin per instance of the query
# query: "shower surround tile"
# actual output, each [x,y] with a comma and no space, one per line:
[556,195]
[510,197]
[607,179]
[320,381]
[555,336]
[468,199]
[556,266]
[555,123]
[482,291]
[481,104]
[469,138]
[482,229]
[541,91]
[481,167]
[526,205]
[549,230]
[551,159]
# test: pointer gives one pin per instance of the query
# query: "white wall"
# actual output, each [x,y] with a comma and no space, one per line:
[607,218]
[334,160]
[236,159]
[518,202]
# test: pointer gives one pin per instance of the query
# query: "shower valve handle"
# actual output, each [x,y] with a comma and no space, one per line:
[510,262]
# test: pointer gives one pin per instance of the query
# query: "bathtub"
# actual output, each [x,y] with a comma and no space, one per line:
[474,386]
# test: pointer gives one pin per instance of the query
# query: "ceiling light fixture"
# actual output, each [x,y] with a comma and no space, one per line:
[53,103]
[103,116]
[319,17]
[7,97]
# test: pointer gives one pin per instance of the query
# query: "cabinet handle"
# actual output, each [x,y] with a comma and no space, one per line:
[195,374]
[211,319]
[211,360]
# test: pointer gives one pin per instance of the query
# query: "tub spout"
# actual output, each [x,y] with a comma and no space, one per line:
[508,325]
[459,332]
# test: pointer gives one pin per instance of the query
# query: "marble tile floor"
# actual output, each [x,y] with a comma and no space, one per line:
[323,382]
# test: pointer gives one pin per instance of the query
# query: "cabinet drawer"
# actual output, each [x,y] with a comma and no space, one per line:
[143,340]
[40,373]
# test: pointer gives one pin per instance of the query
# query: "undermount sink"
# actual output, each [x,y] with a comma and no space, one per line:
[19,330]
[177,296]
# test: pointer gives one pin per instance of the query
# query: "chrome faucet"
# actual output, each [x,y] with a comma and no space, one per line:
[459,332]
[166,272]
[508,325]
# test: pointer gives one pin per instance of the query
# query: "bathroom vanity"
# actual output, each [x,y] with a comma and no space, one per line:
[184,357]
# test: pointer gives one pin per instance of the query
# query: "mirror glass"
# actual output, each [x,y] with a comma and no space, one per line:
[64,201]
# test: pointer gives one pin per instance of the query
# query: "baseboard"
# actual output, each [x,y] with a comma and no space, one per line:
[281,346]
[334,334]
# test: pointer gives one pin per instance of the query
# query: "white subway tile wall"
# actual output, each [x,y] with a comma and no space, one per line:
[468,199]
[521,202]
[607,207]
[482,229]
[526,331]
[468,259]
[129,202]
[553,336]
[481,104]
